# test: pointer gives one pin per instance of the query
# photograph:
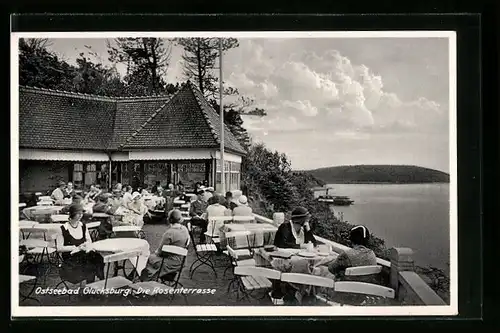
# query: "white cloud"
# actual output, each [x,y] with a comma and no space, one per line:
[325,91]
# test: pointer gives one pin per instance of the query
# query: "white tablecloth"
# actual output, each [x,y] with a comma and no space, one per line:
[43,212]
[116,245]
[261,234]
[46,231]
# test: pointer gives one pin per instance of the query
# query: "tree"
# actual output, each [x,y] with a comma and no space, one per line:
[40,68]
[200,60]
[147,61]
[92,78]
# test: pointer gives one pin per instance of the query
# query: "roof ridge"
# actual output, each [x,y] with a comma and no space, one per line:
[93,96]
[151,117]
[205,115]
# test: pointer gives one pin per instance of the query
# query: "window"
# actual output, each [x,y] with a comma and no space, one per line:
[77,175]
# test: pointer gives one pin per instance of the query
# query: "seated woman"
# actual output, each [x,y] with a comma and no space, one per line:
[242,209]
[102,205]
[357,255]
[69,192]
[137,210]
[176,234]
[78,264]
[297,233]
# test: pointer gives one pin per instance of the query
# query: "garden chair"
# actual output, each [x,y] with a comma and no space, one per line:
[251,279]
[204,253]
[169,281]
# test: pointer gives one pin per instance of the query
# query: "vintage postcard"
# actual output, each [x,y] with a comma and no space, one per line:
[241,173]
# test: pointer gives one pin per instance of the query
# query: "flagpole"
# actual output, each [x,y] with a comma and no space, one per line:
[223,178]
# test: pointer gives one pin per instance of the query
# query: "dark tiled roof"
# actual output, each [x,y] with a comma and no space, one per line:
[213,120]
[49,119]
[64,120]
[186,121]
[131,114]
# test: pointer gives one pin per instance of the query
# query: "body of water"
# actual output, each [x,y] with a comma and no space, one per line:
[414,216]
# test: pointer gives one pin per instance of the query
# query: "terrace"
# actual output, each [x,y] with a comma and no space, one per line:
[398,274]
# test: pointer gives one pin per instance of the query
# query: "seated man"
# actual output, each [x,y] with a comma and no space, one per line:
[358,255]
[177,235]
[296,233]
[196,211]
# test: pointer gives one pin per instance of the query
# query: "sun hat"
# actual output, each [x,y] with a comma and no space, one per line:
[300,212]
[135,195]
[61,183]
[243,200]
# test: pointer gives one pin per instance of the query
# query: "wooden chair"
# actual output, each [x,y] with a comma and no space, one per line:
[212,223]
[363,288]
[45,203]
[204,253]
[251,279]
[363,270]
[161,282]
[115,282]
[59,218]
[308,280]
[92,227]
[23,279]
[130,228]
[40,249]
[243,219]
[236,254]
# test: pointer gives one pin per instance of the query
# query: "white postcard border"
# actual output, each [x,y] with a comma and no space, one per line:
[243,311]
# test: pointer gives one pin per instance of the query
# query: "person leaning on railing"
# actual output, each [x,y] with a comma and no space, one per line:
[357,255]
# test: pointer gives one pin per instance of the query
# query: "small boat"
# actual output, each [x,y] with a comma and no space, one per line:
[336,200]
[342,201]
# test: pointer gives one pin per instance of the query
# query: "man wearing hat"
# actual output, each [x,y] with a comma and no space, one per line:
[297,233]
[196,210]
[58,193]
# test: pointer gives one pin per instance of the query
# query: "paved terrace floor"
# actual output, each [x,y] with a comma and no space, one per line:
[202,279]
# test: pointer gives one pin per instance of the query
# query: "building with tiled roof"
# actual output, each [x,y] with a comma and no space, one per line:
[89,139]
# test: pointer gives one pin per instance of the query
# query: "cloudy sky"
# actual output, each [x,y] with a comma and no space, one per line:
[336,101]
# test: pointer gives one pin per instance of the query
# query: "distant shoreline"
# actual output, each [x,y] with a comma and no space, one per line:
[383,183]
[378,174]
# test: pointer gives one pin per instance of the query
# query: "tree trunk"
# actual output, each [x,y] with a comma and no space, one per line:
[198,58]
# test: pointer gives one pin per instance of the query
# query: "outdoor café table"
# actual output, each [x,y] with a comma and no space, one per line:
[315,265]
[45,231]
[261,234]
[41,213]
[294,264]
[117,245]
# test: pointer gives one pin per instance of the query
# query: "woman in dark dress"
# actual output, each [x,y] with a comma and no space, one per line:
[78,264]
[296,233]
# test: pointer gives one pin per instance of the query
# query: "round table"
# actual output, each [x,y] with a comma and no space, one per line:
[41,213]
[116,245]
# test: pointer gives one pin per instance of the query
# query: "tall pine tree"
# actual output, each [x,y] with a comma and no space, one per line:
[147,61]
